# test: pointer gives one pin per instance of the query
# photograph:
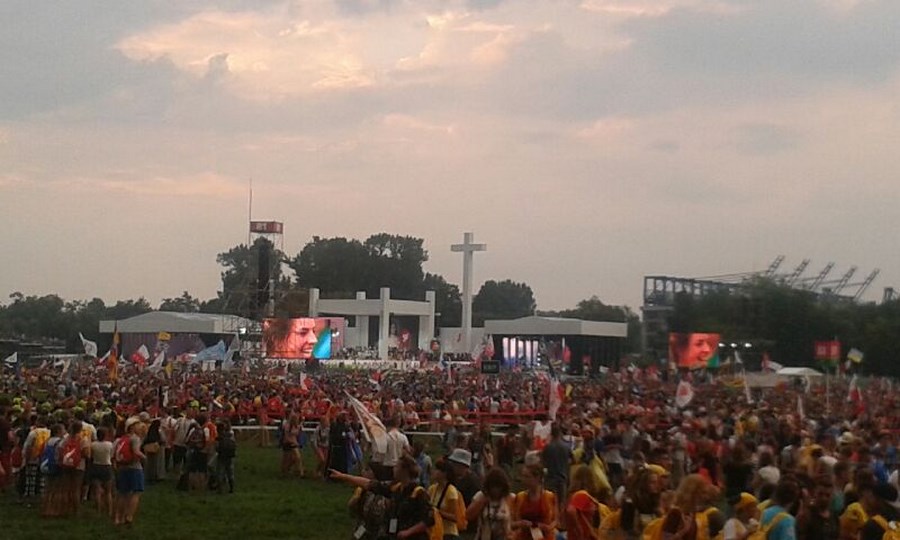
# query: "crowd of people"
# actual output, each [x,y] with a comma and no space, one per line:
[619,458]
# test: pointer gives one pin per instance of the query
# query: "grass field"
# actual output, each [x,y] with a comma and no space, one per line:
[263,506]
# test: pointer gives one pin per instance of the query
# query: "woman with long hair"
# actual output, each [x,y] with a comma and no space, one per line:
[100,474]
[534,509]
[410,513]
[691,498]
[491,508]
[369,509]
[587,512]
[291,460]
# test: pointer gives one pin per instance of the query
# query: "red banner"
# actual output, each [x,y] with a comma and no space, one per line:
[828,350]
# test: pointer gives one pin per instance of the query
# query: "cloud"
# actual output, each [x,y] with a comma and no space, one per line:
[764,139]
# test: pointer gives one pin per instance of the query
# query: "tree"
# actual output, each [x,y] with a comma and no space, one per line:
[503,300]
[447,299]
[183,304]
[593,309]
[241,274]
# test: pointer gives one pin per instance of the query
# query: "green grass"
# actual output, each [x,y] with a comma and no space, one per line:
[264,505]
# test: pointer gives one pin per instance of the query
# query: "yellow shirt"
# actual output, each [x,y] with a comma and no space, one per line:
[448,505]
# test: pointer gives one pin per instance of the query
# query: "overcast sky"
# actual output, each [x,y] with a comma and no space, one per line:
[587,142]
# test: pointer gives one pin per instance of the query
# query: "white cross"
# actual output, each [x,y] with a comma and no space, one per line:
[468,249]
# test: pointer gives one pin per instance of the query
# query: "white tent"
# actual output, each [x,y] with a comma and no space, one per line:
[799,372]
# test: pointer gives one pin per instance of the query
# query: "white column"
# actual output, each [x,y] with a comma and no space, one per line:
[426,323]
[468,249]
[314,302]
[384,323]
[362,324]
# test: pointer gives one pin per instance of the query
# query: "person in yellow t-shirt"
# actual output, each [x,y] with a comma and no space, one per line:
[444,496]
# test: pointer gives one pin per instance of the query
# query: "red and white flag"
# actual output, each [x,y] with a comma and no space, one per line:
[769,365]
[306,381]
[854,395]
[684,394]
[140,356]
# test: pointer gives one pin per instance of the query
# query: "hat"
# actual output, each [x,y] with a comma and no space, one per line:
[846,438]
[888,494]
[745,501]
[131,421]
[461,456]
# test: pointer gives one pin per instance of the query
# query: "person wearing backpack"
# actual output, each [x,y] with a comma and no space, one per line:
[444,496]
[410,516]
[130,479]
[226,447]
[534,509]
[52,491]
[33,448]
[73,452]
[197,459]
[884,523]
[777,523]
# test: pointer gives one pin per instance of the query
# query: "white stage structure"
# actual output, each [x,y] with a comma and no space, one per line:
[362,308]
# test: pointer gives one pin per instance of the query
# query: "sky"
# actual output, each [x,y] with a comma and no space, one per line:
[587,142]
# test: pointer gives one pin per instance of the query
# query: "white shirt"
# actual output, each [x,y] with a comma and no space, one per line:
[396,444]
[734,529]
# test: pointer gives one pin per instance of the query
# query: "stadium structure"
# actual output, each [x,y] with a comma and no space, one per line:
[660,292]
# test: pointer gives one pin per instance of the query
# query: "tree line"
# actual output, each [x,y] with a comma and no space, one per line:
[338,266]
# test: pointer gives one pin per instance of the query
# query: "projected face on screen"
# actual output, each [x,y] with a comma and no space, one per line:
[290,338]
[693,351]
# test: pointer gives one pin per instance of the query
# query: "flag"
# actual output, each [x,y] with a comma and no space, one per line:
[828,350]
[211,354]
[113,356]
[158,361]
[684,394]
[373,429]
[233,349]
[800,411]
[854,395]
[770,365]
[737,358]
[489,346]
[747,395]
[306,381]
[140,356]
[163,336]
[11,360]
[557,395]
[90,347]
[855,355]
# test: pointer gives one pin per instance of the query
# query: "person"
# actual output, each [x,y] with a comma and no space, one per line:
[744,522]
[152,447]
[688,519]
[130,478]
[370,510]
[410,513]
[815,520]
[291,459]
[464,479]
[885,512]
[290,338]
[641,501]
[226,448]
[585,512]
[397,446]
[100,474]
[855,515]
[321,445]
[73,453]
[491,508]
[32,479]
[738,472]
[777,520]
[692,350]
[556,457]
[339,444]
[197,461]
[423,460]
[52,488]
[444,496]
[179,442]
[535,508]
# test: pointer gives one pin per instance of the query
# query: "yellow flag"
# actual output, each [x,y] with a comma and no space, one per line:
[163,336]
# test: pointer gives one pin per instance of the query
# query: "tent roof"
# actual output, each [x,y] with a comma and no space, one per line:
[556,326]
[799,372]
[182,323]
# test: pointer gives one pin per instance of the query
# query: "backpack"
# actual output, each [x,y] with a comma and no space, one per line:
[762,533]
[40,441]
[702,519]
[49,460]
[227,446]
[70,453]
[891,529]
[122,451]
[196,439]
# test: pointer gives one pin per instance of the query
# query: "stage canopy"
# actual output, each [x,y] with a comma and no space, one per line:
[177,323]
[556,326]
[799,372]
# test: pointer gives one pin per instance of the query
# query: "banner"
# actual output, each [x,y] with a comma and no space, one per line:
[233,349]
[828,351]
[158,361]
[373,429]
[694,351]
[855,355]
[90,347]
[304,338]
[211,354]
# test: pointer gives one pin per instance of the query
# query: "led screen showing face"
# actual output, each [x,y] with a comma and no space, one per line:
[694,351]
[302,339]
